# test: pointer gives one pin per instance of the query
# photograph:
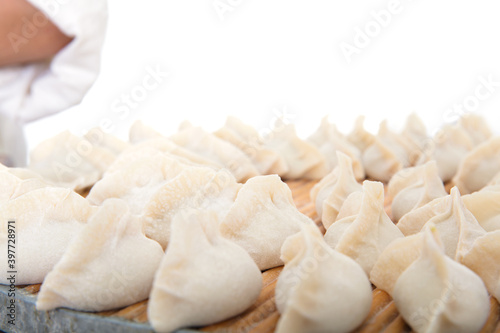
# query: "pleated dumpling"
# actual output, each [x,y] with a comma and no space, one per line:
[13,186]
[261,219]
[99,138]
[364,236]
[45,220]
[483,260]
[109,264]
[456,225]
[266,160]
[359,136]
[448,147]
[203,278]
[303,159]
[416,132]
[437,294]
[211,147]
[320,289]
[70,161]
[485,206]
[406,150]
[380,162]
[329,140]
[414,187]
[479,167]
[331,192]
[476,127]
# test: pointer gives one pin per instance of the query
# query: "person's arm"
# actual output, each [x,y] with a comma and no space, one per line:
[26,35]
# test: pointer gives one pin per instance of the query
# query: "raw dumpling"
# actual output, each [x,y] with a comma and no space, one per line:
[69,161]
[364,236]
[320,289]
[246,138]
[203,278]
[485,206]
[456,225]
[149,148]
[331,192]
[380,162]
[448,147]
[416,132]
[479,167]
[304,160]
[209,146]
[483,260]
[406,150]
[261,219]
[359,137]
[109,264]
[13,186]
[437,294]
[140,132]
[329,140]
[476,127]
[394,260]
[97,137]
[414,187]
[46,220]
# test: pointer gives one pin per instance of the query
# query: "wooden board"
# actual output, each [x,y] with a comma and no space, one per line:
[262,317]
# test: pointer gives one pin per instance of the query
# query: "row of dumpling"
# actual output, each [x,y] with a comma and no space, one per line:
[108,250]
[438,262]
[70,161]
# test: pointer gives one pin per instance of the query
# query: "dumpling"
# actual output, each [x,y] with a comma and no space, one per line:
[149,148]
[266,160]
[203,278]
[109,264]
[407,151]
[364,236]
[414,187]
[380,162]
[479,167]
[485,206]
[477,128]
[160,187]
[456,225]
[209,146]
[69,161]
[360,137]
[331,192]
[97,137]
[416,132]
[329,140]
[483,260]
[13,186]
[320,289]
[437,294]
[448,147]
[198,188]
[394,260]
[46,220]
[304,160]
[261,219]
[139,132]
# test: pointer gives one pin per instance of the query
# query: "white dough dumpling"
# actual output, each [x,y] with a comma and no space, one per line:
[411,188]
[46,221]
[320,289]
[364,236]
[303,159]
[437,294]
[109,264]
[261,219]
[203,278]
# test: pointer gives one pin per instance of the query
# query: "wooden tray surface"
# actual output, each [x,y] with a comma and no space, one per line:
[262,317]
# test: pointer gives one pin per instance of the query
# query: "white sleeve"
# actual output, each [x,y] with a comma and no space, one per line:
[30,92]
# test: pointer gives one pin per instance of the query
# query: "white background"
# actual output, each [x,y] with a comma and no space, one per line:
[262,56]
